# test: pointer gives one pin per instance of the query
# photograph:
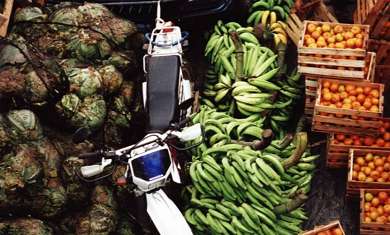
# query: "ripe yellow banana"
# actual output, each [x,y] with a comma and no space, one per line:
[283,38]
[264,18]
[276,40]
[273,17]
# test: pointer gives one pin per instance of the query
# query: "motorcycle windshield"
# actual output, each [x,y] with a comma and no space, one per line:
[152,166]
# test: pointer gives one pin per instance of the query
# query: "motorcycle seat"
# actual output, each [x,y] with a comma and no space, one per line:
[162,88]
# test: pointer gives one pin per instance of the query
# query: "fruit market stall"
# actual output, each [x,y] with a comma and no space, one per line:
[293,107]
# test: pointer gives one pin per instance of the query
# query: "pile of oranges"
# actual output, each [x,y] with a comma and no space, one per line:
[371,168]
[335,231]
[347,96]
[325,35]
[380,141]
[377,207]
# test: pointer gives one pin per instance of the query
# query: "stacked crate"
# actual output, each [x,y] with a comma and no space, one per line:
[5,17]
[325,229]
[376,13]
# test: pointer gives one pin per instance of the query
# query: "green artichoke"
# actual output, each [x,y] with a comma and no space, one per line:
[47,200]
[84,82]
[25,226]
[33,14]
[88,45]
[66,16]
[23,126]
[101,218]
[76,190]
[93,11]
[125,227]
[12,55]
[112,79]
[88,113]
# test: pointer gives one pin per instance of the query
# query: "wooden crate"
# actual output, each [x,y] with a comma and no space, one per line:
[363,8]
[337,153]
[323,228]
[295,24]
[353,121]
[375,13]
[371,228]
[354,186]
[382,75]
[332,62]
[5,17]
[311,85]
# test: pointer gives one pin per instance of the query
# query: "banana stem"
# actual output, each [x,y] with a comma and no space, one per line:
[281,54]
[299,150]
[286,141]
[239,55]
[266,138]
[291,205]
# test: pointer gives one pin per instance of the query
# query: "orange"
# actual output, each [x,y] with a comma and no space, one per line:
[360,161]
[319,29]
[338,29]
[381,219]
[355,29]
[385,175]
[374,93]
[349,88]
[359,36]
[341,88]
[353,92]
[315,35]
[331,39]
[367,170]
[347,100]
[348,35]
[367,90]
[379,161]
[375,101]
[347,106]
[321,44]
[359,90]
[337,231]
[368,141]
[371,165]
[386,208]
[343,95]
[351,43]
[355,105]
[326,27]
[386,136]
[357,142]
[311,27]
[325,90]
[335,98]
[326,84]
[327,96]
[367,205]
[375,174]
[368,157]
[374,108]
[359,43]
[339,105]
[339,37]
[380,210]
[348,141]
[360,97]
[383,196]
[367,104]
[354,175]
[375,201]
[374,215]
[339,45]
[334,86]
[367,220]
[380,169]
[361,176]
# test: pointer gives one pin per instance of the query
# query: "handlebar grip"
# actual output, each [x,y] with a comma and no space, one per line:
[92,170]
[91,154]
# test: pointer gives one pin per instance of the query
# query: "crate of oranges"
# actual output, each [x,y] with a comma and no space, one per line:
[333,228]
[333,49]
[339,144]
[367,169]
[348,107]
[311,84]
[374,212]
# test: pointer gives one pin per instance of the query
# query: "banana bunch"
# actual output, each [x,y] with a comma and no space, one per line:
[290,93]
[248,179]
[267,11]
[226,217]
[278,31]
[220,48]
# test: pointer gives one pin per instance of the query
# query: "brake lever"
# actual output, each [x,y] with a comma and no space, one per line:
[92,170]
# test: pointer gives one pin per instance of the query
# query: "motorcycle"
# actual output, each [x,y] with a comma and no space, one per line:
[152,162]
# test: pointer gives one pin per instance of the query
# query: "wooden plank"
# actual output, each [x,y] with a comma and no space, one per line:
[8,5]
[330,72]
[329,61]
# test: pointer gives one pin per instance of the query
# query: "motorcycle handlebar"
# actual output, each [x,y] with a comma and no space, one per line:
[184,36]
[98,153]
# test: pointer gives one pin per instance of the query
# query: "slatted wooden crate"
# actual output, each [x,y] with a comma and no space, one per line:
[375,13]
[371,228]
[323,228]
[5,17]
[354,186]
[311,85]
[295,24]
[382,75]
[332,62]
[338,152]
[329,119]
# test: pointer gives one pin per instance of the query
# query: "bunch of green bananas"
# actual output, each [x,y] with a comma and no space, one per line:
[226,217]
[291,91]
[250,93]
[264,181]
[267,11]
